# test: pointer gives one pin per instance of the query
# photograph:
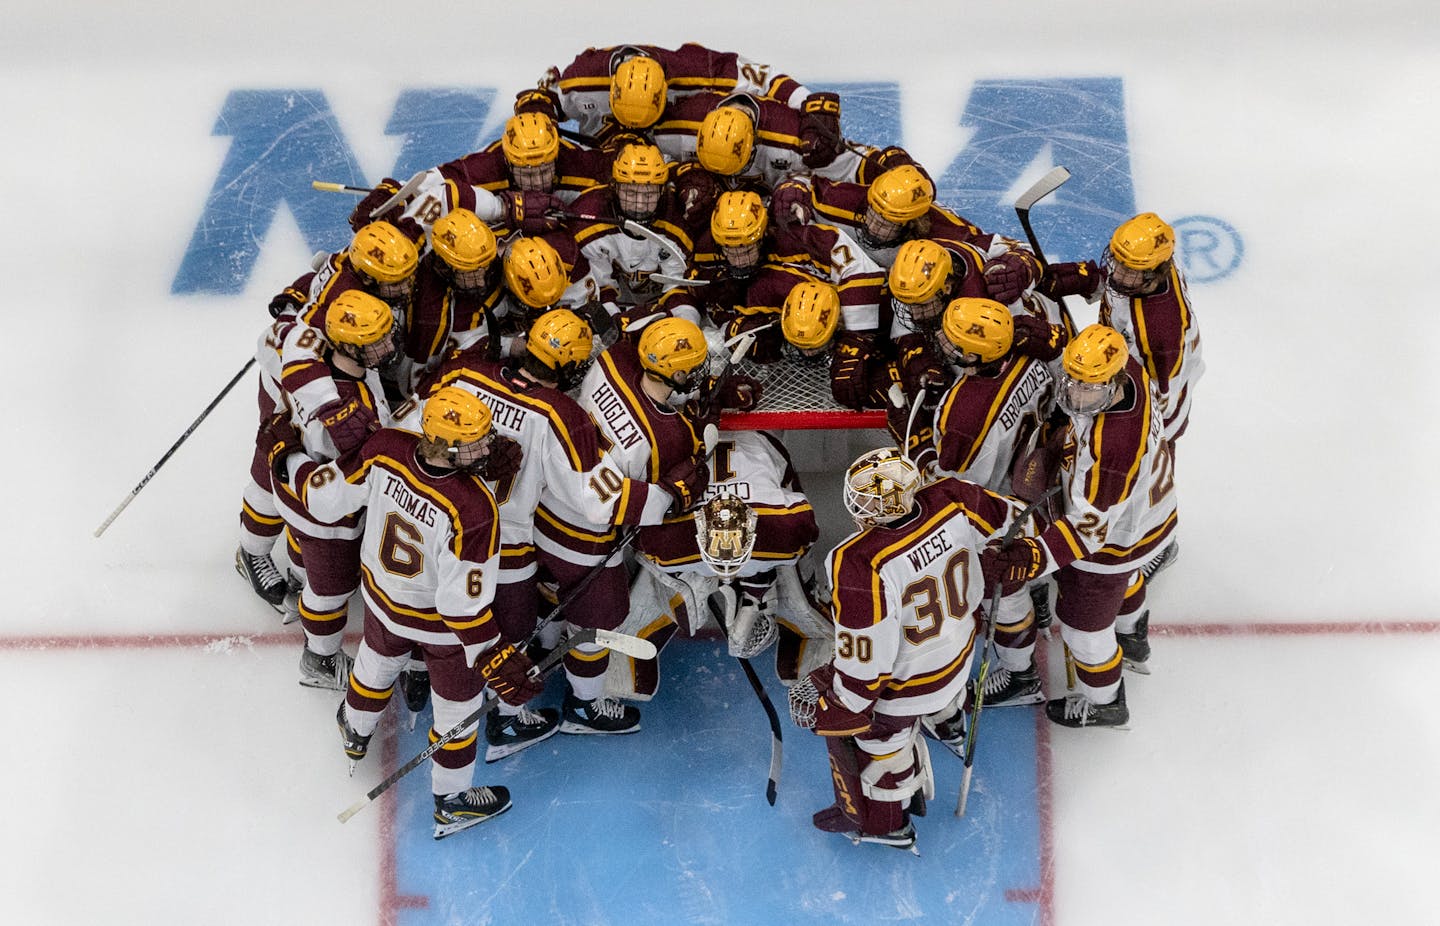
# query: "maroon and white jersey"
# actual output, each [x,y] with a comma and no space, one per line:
[777,149]
[904,597]
[562,457]
[621,263]
[584,84]
[643,439]
[862,163]
[576,170]
[754,467]
[967,275]
[982,421]
[1164,336]
[430,554]
[1118,479]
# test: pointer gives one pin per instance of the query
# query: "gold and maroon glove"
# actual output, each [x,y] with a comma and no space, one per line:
[1035,337]
[538,100]
[820,138]
[360,215]
[503,459]
[1008,276]
[348,422]
[686,482]
[532,212]
[277,439]
[1077,279]
[849,383]
[507,672]
[1013,565]
[921,372]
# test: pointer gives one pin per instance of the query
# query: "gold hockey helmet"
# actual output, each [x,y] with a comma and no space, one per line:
[462,240]
[726,140]
[639,164]
[920,271]
[1143,243]
[901,194]
[672,350]
[739,219]
[530,139]
[534,272]
[560,342]
[811,314]
[357,318]
[382,253]
[978,326]
[637,92]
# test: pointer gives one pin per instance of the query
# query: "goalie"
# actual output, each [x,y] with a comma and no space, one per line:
[743,554]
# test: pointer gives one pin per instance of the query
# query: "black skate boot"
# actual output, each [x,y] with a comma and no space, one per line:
[464,809]
[1078,711]
[949,733]
[506,736]
[603,715]
[332,672]
[1004,688]
[263,577]
[355,745]
[1135,647]
[415,687]
[1040,599]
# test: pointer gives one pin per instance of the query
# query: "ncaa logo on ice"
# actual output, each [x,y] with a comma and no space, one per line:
[281,140]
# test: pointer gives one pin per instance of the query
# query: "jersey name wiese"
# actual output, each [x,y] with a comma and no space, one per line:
[612,408]
[409,502]
[926,551]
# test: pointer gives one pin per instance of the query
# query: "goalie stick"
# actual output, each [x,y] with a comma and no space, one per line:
[619,642]
[973,727]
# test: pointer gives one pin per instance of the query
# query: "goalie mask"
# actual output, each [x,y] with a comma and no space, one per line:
[725,534]
[880,487]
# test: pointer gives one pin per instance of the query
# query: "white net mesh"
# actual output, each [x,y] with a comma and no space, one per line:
[791,385]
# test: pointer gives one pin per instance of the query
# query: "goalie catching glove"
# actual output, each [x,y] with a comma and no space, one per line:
[831,717]
[508,673]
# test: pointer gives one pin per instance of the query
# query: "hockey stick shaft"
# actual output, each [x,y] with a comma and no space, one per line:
[326,186]
[402,194]
[175,446]
[973,729]
[777,744]
[486,706]
[1042,188]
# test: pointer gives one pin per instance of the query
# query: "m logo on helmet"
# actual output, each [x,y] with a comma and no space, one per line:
[378,253]
[1110,353]
[453,416]
[927,268]
[976,329]
[348,318]
[449,238]
[682,343]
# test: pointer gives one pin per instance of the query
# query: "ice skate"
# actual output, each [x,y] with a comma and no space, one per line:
[263,577]
[1006,688]
[354,744]
[603,715]
[464,809]
[506,736]
[903,838]
[1135,646]
[332,672]
[948,733]
[1079,711]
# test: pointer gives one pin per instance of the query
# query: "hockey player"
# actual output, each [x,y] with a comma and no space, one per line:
[429,563]
[990,415]
[905,595]
[810,321]
[924,278]
[628,87]
[562,458]
[1142,295]
[736,139]
[360,338]
[634,393]
[1118,514]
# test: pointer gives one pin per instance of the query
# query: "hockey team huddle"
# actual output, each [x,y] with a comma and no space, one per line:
[498,416]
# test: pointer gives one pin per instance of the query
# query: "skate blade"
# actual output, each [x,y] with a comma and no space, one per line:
[328,684]
[1139,668]
[582,730]
[496,753]
[352,768]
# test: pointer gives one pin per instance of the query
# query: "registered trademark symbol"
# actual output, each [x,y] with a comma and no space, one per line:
[1209,248]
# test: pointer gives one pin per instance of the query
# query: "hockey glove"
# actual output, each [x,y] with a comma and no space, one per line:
[277,439]
[360,215]
[507,672]
[1008,276]
[1078,279]
[849,383]
[1013,565]
[538,100]
[697,189]
[1035,337]
[820,139]
[769,345]
[740,392]
[792,201]
[686,482]
[348,422]
[531,212]
[921,373]
[503,460]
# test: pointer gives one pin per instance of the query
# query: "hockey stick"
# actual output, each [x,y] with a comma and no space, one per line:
[175,446]
[1040,189]
[974,726]
[402,194]
[897,399]
[326,186]
[617,641]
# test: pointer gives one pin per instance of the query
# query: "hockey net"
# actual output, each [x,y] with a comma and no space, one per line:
[795,396]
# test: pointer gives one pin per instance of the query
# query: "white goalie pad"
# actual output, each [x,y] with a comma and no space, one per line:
[911,765]
[663,604]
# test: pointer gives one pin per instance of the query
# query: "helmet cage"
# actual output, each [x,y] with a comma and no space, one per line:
[1080,399]
[876,231]
[1128,281]
[533,178]
[880,487]
[725,534]
[638,201]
